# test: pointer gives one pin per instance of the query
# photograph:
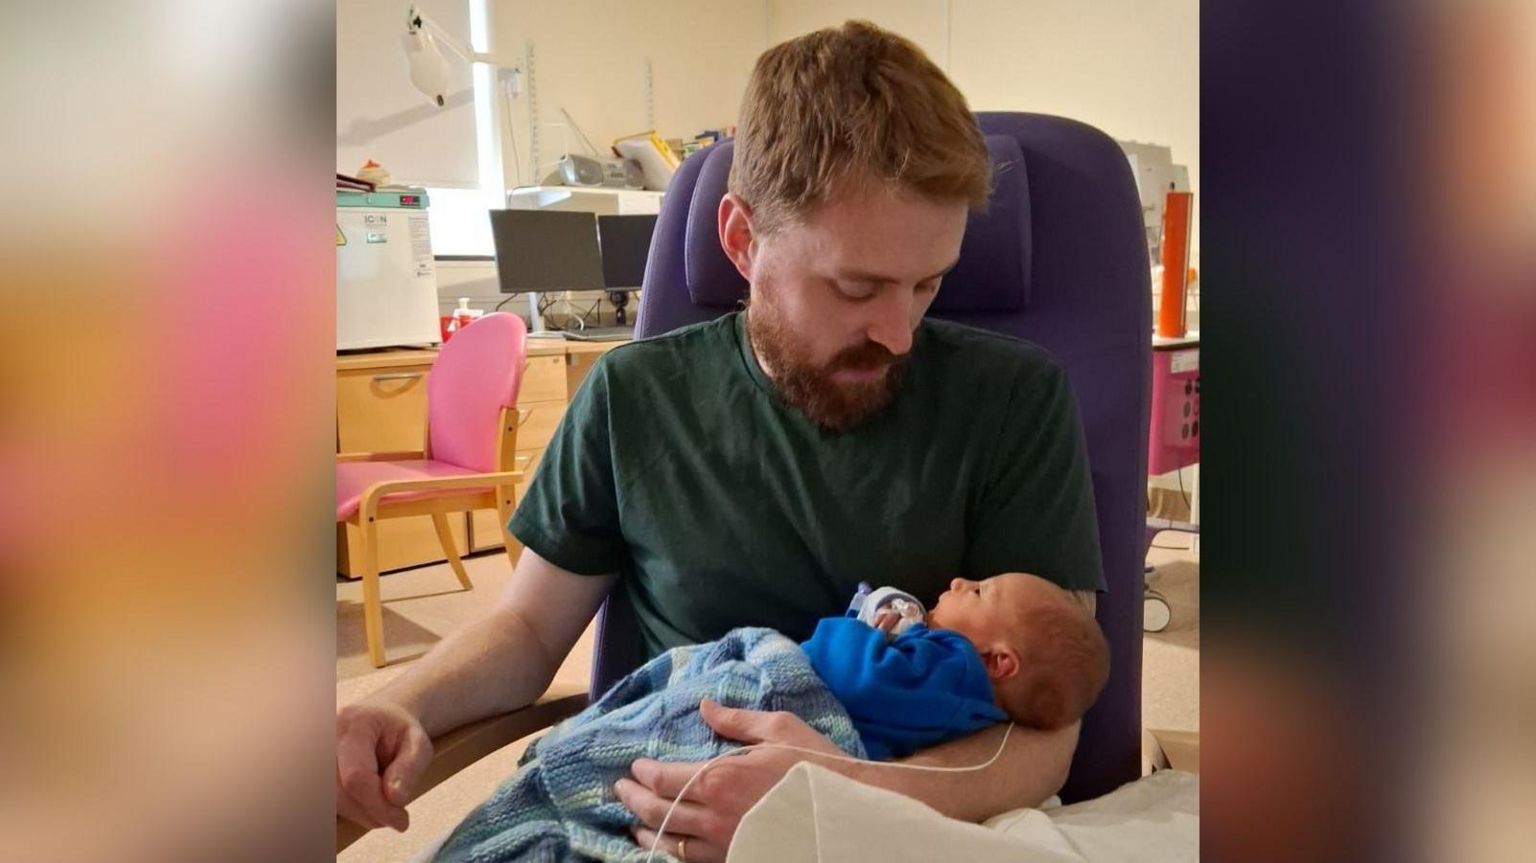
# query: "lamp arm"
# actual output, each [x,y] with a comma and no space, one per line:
[415,20]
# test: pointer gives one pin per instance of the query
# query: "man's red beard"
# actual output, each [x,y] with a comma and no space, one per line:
[810,387]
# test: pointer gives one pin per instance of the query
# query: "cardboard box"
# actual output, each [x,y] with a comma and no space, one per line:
[1179,750]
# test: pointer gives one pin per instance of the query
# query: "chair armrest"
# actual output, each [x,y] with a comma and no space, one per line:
[461,747]
[368,507]
[399,455]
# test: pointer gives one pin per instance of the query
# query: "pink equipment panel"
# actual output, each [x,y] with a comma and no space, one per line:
[1174,441]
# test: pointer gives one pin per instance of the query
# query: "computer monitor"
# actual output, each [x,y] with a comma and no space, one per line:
[626,243]
[545,250]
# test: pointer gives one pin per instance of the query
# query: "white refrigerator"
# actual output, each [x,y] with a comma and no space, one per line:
[386,281]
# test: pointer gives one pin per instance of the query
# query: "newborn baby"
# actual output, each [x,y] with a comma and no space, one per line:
[1013,646]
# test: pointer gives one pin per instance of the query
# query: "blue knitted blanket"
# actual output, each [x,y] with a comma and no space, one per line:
[560,804]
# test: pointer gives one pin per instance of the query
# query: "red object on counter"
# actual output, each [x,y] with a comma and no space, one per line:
[1176,231]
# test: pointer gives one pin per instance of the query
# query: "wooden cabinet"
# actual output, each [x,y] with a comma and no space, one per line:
[540,419]
[543,380]
[577,365]
[383,408]
[381,405]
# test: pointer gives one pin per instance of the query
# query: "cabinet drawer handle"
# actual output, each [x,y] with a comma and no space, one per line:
[399,376]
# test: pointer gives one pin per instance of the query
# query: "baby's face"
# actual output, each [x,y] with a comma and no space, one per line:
[989,612]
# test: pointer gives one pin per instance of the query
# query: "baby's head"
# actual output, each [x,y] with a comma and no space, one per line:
[1042,650]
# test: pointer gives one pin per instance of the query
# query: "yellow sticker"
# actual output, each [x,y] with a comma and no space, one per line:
[341,239]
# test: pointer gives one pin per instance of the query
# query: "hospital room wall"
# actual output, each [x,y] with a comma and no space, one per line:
[1129,67]
[589,58]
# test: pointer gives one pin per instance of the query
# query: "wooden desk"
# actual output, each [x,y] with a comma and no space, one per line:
[381,405]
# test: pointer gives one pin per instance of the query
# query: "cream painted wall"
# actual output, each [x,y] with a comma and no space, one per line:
[589,57]
[922,21]
[1129,67]
[380,115]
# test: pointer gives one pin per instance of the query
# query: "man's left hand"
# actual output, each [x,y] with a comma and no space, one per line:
[707,817]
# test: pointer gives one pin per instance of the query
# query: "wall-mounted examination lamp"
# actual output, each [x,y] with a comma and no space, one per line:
[429,68]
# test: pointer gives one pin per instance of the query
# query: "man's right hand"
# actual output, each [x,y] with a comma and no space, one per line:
[381,752]
[489,666]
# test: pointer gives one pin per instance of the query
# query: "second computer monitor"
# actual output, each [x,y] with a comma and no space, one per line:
[626,243]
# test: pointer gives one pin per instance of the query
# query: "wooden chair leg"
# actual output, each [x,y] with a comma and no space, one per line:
[373,607]
[445,536]
[505,500]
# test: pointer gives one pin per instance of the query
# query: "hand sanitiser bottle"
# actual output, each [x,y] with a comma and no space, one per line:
[463,316]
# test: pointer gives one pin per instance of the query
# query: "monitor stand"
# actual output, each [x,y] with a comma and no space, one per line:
[537,329]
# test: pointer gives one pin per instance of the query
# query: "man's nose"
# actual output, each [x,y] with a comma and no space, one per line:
[892,324]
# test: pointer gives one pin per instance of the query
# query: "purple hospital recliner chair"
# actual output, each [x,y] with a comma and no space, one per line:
[1060,260]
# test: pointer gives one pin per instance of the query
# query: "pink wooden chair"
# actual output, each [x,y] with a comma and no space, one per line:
[466,463]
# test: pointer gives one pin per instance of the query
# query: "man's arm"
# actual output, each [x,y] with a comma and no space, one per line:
[497,664]
[1033,766]
[506,659]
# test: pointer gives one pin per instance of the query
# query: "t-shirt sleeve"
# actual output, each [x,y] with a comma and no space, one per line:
[1035,511]
[569,514]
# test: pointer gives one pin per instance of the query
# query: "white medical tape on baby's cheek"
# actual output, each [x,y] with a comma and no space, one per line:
[662,829]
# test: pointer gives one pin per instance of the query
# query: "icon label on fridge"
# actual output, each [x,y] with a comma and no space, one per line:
[377,226]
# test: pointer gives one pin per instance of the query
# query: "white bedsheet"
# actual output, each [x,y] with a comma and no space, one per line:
[814,814]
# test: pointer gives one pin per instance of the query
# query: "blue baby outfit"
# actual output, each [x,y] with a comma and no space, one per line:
[920,688]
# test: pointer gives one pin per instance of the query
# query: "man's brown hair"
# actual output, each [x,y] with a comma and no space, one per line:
[849,106]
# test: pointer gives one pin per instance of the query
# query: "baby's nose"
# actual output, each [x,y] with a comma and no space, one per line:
[957,584]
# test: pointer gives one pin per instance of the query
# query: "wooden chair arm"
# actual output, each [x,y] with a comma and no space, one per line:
[368,507]
[461,747]
[399,455]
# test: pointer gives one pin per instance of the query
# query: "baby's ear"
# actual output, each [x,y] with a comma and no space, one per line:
[1002,662]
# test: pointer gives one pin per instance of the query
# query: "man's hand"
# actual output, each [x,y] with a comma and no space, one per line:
[714,804]
[381,751]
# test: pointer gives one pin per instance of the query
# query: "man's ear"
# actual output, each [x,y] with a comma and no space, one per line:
[736,237]
[1002,662]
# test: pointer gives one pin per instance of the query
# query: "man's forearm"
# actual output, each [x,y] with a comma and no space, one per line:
[1031,768]
[491,666]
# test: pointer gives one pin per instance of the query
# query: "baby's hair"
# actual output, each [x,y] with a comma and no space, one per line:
[1065,663]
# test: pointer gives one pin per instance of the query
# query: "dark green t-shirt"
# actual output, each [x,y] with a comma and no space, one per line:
[679,467]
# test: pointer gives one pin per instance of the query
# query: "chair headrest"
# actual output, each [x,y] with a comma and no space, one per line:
[992,276]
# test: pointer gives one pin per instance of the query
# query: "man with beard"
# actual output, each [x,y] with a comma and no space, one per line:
[752,470]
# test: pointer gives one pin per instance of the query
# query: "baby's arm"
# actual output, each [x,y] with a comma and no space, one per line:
[849,655]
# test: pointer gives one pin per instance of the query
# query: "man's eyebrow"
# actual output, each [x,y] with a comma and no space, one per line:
[884,279]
